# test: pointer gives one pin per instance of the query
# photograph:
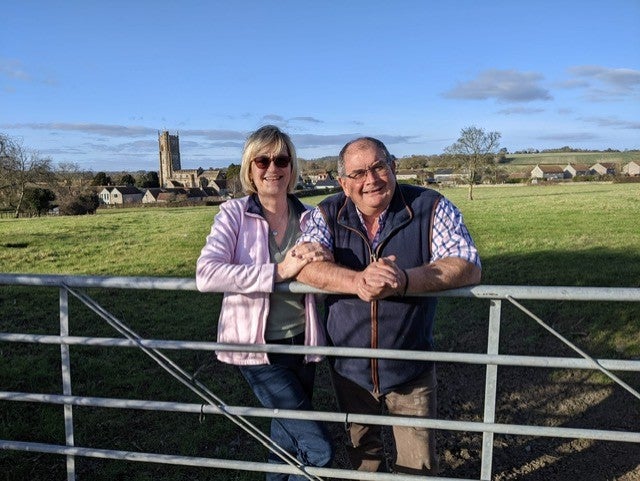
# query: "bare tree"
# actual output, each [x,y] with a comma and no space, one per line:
[474,151]
[20,168]
[71,181]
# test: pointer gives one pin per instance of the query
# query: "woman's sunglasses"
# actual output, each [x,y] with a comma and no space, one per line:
[263,161]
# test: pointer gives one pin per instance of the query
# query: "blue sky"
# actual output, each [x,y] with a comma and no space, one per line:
[92,83]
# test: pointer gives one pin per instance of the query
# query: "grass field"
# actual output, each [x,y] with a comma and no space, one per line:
[573,235]
[558,227]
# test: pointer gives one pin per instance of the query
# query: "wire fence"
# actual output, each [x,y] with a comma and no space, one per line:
[212,404]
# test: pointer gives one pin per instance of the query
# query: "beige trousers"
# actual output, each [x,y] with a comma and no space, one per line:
[415,448]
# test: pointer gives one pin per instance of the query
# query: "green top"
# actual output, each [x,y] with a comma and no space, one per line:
[286,310]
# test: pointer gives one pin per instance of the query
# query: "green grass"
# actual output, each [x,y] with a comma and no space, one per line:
[149,242]
[573,235]
[569,234]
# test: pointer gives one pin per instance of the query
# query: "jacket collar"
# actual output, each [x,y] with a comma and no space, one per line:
[255,207]
[398,213]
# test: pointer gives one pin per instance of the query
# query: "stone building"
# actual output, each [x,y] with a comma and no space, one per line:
[547,172]
[169,157]
[172,175]
[120,195]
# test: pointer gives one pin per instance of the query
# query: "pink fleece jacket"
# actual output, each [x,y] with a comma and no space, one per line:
[235,260]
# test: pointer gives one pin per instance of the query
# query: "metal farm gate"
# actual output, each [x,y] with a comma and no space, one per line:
[497,295]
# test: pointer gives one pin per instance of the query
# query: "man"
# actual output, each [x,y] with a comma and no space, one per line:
[389,241]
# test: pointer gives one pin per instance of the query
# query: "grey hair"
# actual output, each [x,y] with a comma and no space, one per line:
[377,144]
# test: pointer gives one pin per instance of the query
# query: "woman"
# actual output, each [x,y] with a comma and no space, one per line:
[249,249]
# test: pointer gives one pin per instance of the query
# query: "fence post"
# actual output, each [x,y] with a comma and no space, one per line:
[66,381]
[490,388]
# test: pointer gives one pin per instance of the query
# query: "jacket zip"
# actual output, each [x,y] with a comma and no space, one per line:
[373,257]
[375,380]
[375,375]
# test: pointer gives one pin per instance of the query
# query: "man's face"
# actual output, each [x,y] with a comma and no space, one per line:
[371,192]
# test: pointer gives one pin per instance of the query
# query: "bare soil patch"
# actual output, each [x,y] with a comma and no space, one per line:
[536,397]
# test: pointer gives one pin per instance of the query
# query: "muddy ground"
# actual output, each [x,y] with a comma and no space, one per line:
[572,399]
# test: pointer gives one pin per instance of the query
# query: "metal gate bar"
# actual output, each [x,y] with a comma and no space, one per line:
[492,359]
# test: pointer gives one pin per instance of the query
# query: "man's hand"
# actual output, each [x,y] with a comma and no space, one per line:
[382,278]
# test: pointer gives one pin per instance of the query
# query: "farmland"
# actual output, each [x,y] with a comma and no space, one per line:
[561,235]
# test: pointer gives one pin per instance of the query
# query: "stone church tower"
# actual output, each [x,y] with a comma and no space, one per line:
[172,176]
[169,156]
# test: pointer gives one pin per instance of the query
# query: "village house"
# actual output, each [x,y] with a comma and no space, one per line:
[318,176]
[120,195]
[183,194]
[518,176]
[321,180]
[193,178]
[406,175]
[326,184]
[446,176]
[151,195]
[547,172]
[604,168]
[576,170]
[632,168]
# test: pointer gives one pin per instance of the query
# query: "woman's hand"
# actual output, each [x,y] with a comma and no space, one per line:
[299,256]
[380,279]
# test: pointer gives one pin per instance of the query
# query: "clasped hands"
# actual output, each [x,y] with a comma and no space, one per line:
[382,278]
[299,256]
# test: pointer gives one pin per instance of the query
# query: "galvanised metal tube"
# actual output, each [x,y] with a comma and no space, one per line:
[560,293]
[206,462]
[492,359]
[455,357]
[496,428]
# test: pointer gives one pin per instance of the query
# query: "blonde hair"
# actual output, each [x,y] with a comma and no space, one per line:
[265,138]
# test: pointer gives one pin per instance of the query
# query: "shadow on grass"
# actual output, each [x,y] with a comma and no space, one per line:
[545,397]
[541,397]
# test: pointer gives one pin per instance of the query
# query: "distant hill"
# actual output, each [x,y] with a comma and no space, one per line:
[563,158]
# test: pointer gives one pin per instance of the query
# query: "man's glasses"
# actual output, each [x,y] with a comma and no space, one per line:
[360,174]
[263,161]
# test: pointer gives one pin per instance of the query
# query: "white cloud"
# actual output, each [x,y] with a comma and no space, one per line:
[274,118]
[604,83]
[568,137]
[502,85]
[312,120]
[520,111]
[118,131]
[98,129]
[612,122]
[13,69]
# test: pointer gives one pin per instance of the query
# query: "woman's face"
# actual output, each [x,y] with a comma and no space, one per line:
[271,171]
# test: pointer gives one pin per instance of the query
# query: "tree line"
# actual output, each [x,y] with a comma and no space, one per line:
[475,156]
[30,184]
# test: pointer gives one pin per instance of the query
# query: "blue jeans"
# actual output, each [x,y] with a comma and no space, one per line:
[287,383]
